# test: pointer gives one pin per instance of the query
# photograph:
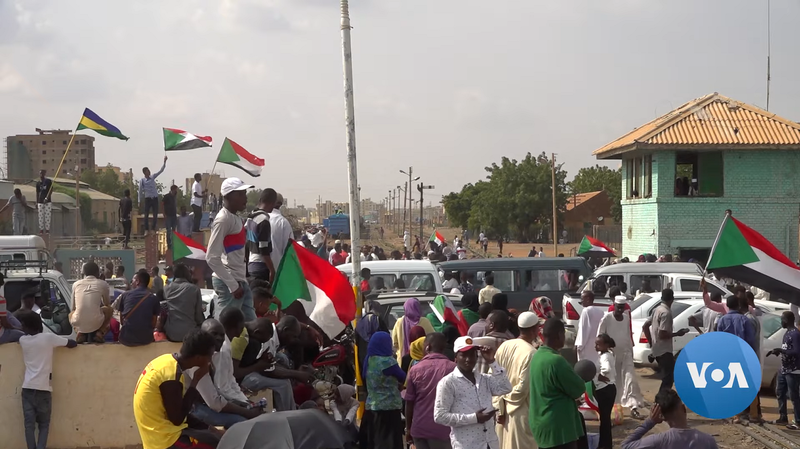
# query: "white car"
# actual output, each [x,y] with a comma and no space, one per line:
[643,307]
[771,334]
[680,283]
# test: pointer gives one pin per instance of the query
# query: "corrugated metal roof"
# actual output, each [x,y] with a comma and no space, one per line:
[710,120]
[580,198]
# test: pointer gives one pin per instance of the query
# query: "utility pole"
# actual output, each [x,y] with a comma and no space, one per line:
[421,189]
[555,217]
[406,206]
[77,200]
[350,140]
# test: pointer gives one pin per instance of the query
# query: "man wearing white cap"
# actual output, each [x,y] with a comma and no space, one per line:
[617,325]
[464,398]
[226,251]
[513,428]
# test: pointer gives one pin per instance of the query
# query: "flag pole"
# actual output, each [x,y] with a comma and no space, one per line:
[716,240]
[63,158]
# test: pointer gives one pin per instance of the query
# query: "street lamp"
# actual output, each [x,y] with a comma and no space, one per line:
[408,194]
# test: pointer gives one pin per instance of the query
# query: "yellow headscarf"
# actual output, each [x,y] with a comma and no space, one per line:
[417,349]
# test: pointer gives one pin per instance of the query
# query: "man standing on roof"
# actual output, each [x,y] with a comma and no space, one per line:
[148,195]
[18,205]
[226,249]
[44,192]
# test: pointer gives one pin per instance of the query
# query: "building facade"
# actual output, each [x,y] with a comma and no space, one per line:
[26,154]
[682,171]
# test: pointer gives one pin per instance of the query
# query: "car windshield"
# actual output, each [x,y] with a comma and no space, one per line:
[769,325]
[678,308]
[638,302]
[394,311]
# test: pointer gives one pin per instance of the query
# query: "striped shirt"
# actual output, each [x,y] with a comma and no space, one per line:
[225,254]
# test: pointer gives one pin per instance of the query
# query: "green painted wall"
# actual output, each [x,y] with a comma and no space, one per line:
[760,187]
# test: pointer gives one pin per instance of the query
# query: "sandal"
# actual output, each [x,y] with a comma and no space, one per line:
[635,414]
[792,426]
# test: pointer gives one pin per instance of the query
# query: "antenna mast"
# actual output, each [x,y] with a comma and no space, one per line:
[769,49]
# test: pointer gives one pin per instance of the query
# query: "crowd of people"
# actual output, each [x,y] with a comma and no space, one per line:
[492,377]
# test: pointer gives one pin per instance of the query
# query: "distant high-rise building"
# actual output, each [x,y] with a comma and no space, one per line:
[26,154]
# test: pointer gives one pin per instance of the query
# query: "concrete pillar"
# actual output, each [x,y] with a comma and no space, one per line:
[151,250]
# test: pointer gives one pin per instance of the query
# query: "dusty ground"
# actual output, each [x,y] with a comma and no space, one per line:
[727,435]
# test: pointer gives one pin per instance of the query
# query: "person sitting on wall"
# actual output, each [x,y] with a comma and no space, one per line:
[138,311]
[91,314]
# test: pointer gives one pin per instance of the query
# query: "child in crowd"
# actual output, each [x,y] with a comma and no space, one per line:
[37,353]
[345,407]
[606,390]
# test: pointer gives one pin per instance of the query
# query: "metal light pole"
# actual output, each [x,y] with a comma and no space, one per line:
[409,193]
[350,140]
[555,216]
[421,189]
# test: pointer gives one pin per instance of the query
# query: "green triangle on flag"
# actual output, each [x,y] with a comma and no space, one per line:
[732,248]
[290,283]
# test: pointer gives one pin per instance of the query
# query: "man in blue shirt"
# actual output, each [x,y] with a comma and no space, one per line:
[788,380]
[734,322]
[148,196]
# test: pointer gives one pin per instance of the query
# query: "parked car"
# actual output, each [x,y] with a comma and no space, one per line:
[392,303]
[525,278]
[644,306]
[420,275]
[25,275]
[771,334]
[679,282]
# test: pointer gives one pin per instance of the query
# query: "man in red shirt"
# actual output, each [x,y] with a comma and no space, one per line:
[365,275]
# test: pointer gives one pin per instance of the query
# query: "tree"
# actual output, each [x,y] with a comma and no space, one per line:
[516,200]
[592,179]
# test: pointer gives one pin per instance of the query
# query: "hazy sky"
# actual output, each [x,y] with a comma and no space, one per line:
[448,86]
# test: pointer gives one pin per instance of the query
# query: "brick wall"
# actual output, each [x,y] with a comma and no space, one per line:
[760,187]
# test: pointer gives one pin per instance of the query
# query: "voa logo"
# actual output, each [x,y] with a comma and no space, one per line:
[717,375]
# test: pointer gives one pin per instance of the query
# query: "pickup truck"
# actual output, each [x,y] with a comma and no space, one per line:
[55,292]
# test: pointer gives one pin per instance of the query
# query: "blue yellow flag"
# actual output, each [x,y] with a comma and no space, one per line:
[92,121]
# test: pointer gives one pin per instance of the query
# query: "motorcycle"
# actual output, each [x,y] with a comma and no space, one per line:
[333,362]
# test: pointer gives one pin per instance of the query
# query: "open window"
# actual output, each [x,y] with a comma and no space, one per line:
[633,170]
[699,174]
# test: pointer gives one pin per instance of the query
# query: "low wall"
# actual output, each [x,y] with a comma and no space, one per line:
[92,394]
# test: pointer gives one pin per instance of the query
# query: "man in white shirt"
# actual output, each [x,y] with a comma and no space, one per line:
[464,398]
[617,325]
[198,194]
[462,252]
[487,293]
[281,232]
[406,241]
[91,314]
[226,250]
[587,328]
[216,409]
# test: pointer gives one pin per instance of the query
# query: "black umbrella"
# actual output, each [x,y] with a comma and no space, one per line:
[297,429]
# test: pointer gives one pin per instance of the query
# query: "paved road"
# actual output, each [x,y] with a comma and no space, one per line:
[726,434]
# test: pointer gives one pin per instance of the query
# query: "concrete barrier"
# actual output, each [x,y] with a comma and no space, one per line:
[92,394]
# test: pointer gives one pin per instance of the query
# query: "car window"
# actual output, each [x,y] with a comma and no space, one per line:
[419,281]
[503,280]
[640,302]
[655,280]
[543,280]
[678,308]
[769,325]
[382,281]
[690,285]
[396,312]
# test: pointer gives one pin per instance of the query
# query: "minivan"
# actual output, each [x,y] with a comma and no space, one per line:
[419,275]
[525,278]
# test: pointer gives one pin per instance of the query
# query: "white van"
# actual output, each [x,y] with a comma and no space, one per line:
[420,275]
[23,247]
[22,277]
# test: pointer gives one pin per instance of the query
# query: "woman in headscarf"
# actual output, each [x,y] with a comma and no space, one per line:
[402,328]
[500,302]
[542,307]
[417,334]
[469,314]
[383,377]
[370,323]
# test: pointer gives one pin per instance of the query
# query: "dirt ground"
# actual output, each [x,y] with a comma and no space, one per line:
[726,434]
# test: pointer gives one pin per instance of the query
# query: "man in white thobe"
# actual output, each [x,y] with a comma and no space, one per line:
[587,328]
[513,427]
[617,325]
